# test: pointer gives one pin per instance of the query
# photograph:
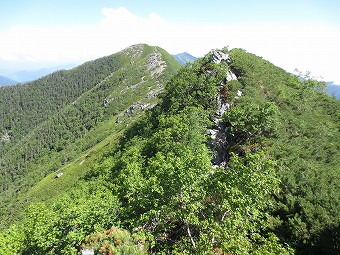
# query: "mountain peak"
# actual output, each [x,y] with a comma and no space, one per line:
[184,58]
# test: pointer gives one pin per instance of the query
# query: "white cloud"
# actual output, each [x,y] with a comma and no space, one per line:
[307,47]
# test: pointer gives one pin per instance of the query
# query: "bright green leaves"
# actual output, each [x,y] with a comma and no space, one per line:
[40,230]
[165,186]
[183,129]
[252,179]
[305,145]
[12,241]
[236,203]
[194,85]
[61,227]
[94,209]
[166,182]
[161,179]
[168,187]
[247,121]
[173,153]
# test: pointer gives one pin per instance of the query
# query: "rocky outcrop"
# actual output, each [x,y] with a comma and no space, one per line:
[134,51]
[153,93]
[5,138]
[133,109]
[58,175]
[219,56]
[230,76]
[217,133]
[155,64]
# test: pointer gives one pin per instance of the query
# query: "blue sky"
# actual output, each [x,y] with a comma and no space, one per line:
[292,34]
[80,12]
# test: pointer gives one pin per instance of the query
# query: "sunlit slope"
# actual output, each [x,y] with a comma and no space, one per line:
[123,92]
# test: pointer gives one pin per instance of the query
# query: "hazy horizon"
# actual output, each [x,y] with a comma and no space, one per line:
[291,34]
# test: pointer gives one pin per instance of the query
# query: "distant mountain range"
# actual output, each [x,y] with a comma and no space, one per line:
[22,76]
[11,78]
[8,78]
[333,89]
[5,81]
[184,58]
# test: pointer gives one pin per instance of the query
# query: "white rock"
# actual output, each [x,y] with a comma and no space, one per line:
[218,56]
[231,76]
[87,252]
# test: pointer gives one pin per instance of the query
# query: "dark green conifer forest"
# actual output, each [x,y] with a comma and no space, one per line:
[133,154]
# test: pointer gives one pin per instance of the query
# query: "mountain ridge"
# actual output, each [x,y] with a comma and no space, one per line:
[6,81]
[224,160]
[58,121]
[184,58]
[22,76]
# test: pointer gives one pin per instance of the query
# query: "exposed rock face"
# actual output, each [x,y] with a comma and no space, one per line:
[5,138]
[230,76]
[133,109]
[153,93]
[139,106]
[217,133]
[134,51]
[156,64]
[219,56]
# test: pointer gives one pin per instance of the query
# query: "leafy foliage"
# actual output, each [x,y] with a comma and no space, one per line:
[61,228]
[154,189]
[167,186]
[252,120]
[99,95]
[306,147]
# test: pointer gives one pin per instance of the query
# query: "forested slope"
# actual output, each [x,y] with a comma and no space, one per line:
[238,157]
[305,145]
[49,122]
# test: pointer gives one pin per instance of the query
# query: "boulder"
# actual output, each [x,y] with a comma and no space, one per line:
[219,56]
[87,252]
[58,175]
[230,76]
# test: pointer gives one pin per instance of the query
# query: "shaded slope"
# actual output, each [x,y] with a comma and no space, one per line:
[23,107]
